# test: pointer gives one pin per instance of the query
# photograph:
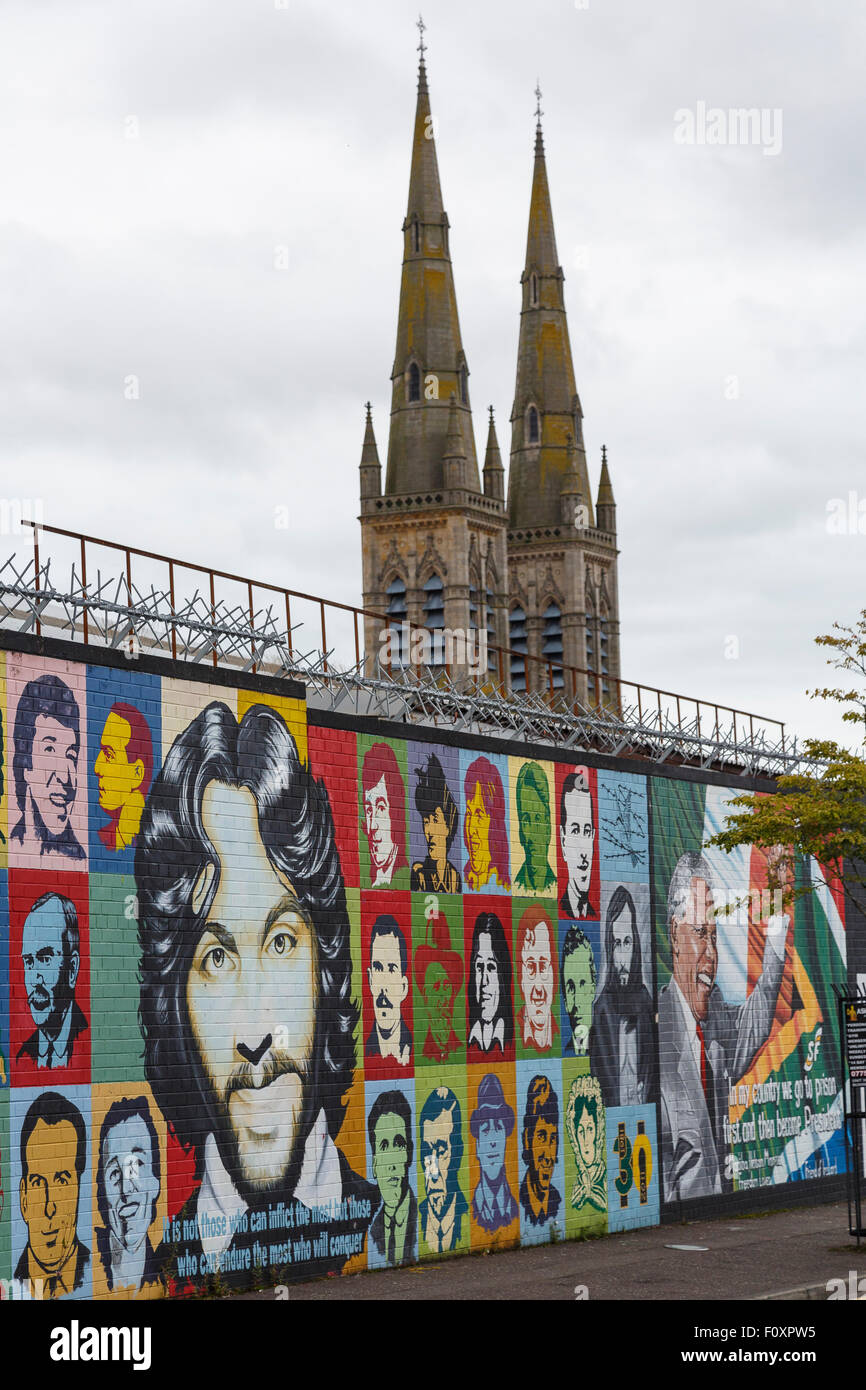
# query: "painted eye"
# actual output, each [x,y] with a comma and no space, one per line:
[282,943]
[215,959]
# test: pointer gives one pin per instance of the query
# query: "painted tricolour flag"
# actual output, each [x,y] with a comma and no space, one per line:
[785,1113]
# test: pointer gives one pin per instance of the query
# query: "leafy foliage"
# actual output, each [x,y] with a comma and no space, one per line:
[820,813]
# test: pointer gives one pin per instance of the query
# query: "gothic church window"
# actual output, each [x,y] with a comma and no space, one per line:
[518,643]
[434,617]
[397,615]
[414,382]
[551,642]
[532,425]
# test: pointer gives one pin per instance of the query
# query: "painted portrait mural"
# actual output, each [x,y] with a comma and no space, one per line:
[285,994]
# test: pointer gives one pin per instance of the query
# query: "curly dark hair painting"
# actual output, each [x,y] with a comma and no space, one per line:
[174,858]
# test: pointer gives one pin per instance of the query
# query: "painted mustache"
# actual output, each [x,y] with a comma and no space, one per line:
[246,1077]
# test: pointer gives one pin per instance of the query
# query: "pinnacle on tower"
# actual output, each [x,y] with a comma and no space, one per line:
[605,504]
[494,473]
[370,467]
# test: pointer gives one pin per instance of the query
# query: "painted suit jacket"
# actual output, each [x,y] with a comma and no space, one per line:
[693,1144]
[377,1231]
[78,1025]
[461,1207]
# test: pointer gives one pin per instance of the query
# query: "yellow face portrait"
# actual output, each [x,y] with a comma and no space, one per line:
[117,778]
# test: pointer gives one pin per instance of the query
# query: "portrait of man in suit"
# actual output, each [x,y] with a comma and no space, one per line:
[47,742]
[53,1159]
[577,842]
[490,1124]
[128,1178]
[395,1223]
[51,956]
[539,1198]
[705,1043]
[444,1207]
[388,979]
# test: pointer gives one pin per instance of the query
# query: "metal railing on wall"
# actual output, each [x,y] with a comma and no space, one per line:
[121,597]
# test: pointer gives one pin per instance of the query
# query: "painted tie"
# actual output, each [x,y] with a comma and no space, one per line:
[700,1033]
[391,1242]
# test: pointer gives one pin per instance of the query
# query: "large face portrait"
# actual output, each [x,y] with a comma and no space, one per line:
[577,836]
[694,953]
[578,983]
[437,1158]
[377,823]
[50,966]
[486,975]
[388,981]
[536,975]
[251,996]
[130,1182]
[49,1192]
[391,1158]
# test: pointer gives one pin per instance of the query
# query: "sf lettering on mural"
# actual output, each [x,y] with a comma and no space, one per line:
[279,1000]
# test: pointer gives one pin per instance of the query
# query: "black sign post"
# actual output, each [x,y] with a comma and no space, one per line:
[852,1031]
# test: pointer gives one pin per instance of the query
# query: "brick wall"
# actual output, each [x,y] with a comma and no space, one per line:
[284,993]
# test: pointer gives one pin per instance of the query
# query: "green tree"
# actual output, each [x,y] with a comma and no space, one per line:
[820,811]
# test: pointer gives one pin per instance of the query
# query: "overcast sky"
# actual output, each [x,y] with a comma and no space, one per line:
[161,160]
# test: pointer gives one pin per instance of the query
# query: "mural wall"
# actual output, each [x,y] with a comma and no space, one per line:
[279,999]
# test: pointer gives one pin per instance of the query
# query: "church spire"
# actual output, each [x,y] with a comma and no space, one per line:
[429,363]
[546,419]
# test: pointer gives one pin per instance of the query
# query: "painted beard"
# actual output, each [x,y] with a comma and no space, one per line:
[261,1130]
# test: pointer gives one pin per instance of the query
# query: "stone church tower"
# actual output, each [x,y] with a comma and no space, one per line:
[562,573]
[440,547]
[433,544]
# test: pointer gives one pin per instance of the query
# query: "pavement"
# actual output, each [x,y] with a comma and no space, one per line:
[787,1255]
